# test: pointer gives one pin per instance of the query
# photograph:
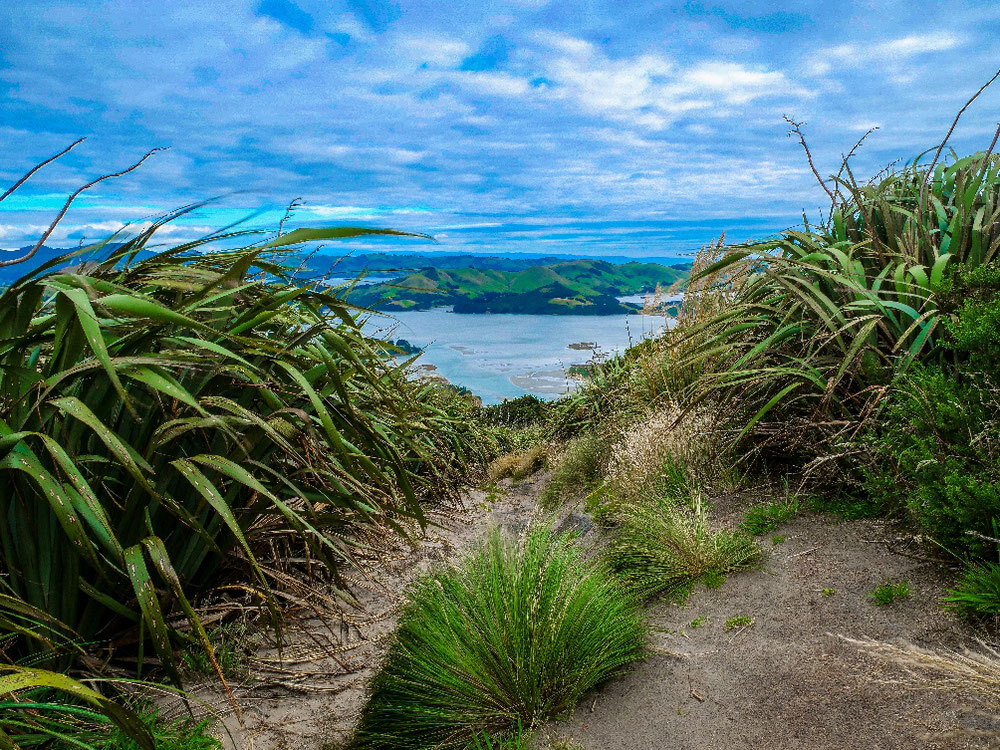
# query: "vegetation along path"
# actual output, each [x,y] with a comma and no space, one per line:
[773,658]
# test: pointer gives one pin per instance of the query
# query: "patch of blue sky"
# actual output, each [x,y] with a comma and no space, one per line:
[592,127]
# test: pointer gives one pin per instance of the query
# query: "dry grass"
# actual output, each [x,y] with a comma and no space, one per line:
[519,465]
[670,437]
[971,673]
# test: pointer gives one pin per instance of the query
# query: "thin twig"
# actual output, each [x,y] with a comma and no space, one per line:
[799,554]
[937,154]
[844,163]
[34,169]
[797,129]
[69,202]
[288,214]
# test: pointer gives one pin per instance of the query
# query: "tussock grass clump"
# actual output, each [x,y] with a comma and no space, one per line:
[514,633]
[660,548]
[576,469]
[657,455]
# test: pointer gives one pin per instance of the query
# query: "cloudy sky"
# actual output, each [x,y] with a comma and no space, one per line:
[589,127]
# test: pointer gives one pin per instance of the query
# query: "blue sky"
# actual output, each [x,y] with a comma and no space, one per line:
[614,128]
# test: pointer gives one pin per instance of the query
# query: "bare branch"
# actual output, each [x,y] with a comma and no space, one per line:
[937,154]
[34,169]
[797,129]
[69,202]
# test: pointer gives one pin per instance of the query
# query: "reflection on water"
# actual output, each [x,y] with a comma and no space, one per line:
[505,356]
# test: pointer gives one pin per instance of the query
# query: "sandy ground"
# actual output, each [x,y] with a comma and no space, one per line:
[788,681]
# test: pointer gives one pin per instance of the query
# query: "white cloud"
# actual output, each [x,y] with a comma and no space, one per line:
[493,84]
[737,84]
[651,91]
[438,50]
[890,53]
[917,44]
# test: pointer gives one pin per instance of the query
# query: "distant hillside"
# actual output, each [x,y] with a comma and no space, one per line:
[383,264]
[576,287]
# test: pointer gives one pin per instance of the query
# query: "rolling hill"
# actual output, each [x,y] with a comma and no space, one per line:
[576,287]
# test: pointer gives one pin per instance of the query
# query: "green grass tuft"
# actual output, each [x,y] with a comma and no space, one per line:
[738,621]
[518,739]
[660,548]
[513,634]
[177,734]
[763,519]
[889,592]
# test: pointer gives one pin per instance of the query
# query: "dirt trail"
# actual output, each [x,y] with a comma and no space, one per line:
[318,701]
[787,681]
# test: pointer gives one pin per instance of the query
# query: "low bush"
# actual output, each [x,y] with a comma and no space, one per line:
[523,411]
[514,633]
[658,547]
[937,454]
[576,469]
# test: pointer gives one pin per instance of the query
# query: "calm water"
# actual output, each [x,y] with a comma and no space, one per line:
[505,356]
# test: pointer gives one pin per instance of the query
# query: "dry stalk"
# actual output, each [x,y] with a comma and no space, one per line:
[970,673]
[69,201]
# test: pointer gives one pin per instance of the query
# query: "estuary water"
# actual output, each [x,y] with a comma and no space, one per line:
[505,356]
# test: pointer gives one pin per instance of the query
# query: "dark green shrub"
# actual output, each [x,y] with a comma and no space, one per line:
[937,455]
[513,634]
[523,411]
[975,329]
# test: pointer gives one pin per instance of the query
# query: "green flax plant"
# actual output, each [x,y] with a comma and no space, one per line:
[828,314]
[165,411]
[39,708]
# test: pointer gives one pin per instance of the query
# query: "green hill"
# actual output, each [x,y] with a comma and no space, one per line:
[578,287]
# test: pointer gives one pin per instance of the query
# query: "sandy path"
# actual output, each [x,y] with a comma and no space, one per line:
[788,681]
